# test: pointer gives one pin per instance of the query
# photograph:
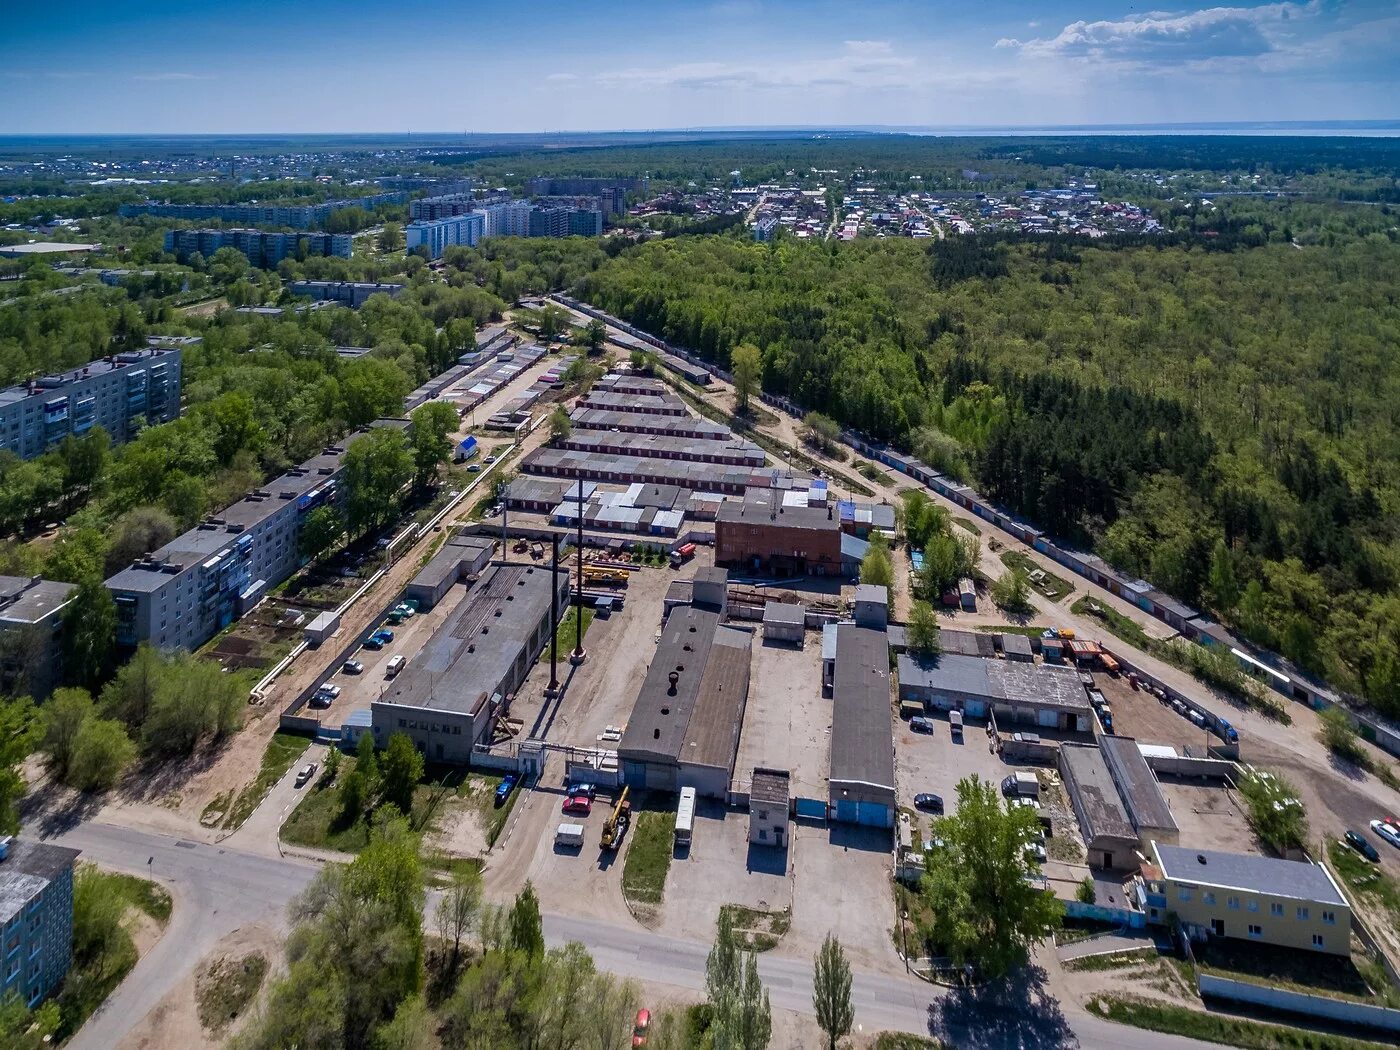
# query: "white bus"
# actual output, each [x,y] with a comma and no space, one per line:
[685,816]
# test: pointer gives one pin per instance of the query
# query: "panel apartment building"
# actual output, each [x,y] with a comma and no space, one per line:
[113,393]
[180,596]
[31,634]
[437,235]
[36,917]
[613,192]
[429,209]
[297,216]
[262,249]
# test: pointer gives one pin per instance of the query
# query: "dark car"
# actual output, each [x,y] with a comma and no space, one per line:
[932,803]
[505,787]
[1358,842]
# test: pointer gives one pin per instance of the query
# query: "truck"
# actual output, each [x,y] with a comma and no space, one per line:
[685,816]
[568,835]
[1020,784]
[682,554]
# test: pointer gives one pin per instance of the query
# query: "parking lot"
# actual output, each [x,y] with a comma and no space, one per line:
[841,882]
[581,880]
[787,722]
[935,762]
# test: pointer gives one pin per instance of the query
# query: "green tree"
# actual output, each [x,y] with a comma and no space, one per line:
[821,432]
[323,528]
[367,761]
[560,425]
[1274,810]
[400,769]
[642,361]
[923,633]
[1085,893]
[371,388]
[25,1029]
[391,238]
[551,321]
[137,532]
[431,448]
[1012,593]
[594,335]
[21,730]
[1339,734]
[1224,587]
[377,467]
[194,701]
[131,692]
[984,909]
[876,567]
[65,715]
[354,797]
[746,363]
[101,753]
[457,913]
[526,927]
[89,633]
[78,555]
[831,992]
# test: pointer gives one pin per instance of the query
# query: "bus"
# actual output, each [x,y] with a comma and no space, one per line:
[685,816]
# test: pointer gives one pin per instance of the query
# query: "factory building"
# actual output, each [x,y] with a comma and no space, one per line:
[861,784]
[1027,694]
[768,532]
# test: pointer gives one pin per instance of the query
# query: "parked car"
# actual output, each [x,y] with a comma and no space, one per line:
[580,804]
[1389,832]
[930,802]
[591,790]
[374,642]
[641,1028]
[329,691]
[505,787]
[405,610]
[920,724]
[353,667]
[1358,842]
[307,772]
[320,699]
[1036,851]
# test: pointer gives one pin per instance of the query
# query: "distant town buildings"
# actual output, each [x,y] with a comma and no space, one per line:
[612,192]
[36,917]
[297,216]
[348,293]
[262,249]
[117,393]
[437,235]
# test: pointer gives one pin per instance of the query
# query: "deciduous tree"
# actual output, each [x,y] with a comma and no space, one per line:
[831,992]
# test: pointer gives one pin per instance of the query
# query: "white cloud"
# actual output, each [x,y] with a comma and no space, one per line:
[859,64]
[562,77]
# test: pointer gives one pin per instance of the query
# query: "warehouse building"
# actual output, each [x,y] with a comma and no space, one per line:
[1142,796]
[684,729]
[665,446]
[1117,800]
[694,427]
[448,696]
[1029,694]
[763,533]
[861,785]
[647,404]
[624,470]
[1287,903]
[460,557]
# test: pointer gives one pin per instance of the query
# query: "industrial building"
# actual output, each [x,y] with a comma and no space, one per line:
[685,724]
[353,294]
[262,249]
[121,394]
[861,784]
[734,451]
[31,634]
[694,427]
[766,532]
[648,404]
[36,917]
[437,235]
[770,792]
[784,622]
[448,696]
[460,557]
[1286,903]
[182,594]
[613,469]
[1029,694]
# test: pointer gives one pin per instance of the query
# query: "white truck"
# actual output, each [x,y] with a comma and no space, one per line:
[568,835]
[1020,784]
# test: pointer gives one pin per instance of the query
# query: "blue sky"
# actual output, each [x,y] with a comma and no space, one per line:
[412,65]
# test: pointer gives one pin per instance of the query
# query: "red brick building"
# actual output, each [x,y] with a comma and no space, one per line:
[761,534]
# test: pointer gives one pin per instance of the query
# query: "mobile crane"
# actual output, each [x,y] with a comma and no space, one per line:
[617,823]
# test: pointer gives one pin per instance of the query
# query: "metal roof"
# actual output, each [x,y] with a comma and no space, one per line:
[862,733]
[784,612]
[1142,795]
[1295,879]
[1088,780]
[661,713]
[712,736]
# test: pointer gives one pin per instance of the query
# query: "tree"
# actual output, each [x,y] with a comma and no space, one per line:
[410,1029]
[923,636]
[431,448]
[985,910]
[65,714]
[552,321]
[1086,893]
[354,795]
[594,335]
[821,431]
[90,633]
[25,1029]
[130,693]
[754,1010]
[642,361]
[746,363]
[100,755]
[377,467]
[457,912]
[722,971]
[1224,587]
[876,567]
[526,927]
[371,387]
[391,237]
[78,555]
[400,769]
[1012,593]
[1337,732]
[137,532]
[193,701]
[21,730]
[831,991]
[560,425]
[1274,810]
[323,528]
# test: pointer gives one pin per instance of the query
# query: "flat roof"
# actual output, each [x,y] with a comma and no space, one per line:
[28,600]
[1295,879]
[45,248]
[1089,779]
[998,680]
[665,446]
[765,507]
[770,785]
[28,867]
[476,646]
[606,418]
[1147,806]
[1016,643]
[661,713]
[56,384]
[785,612]
[862,734]
[712,737]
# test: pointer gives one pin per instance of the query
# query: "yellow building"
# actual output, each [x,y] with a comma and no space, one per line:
[1288,903]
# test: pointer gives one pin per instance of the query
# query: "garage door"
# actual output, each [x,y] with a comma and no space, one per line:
[873,814]
[811,808]
[848,812]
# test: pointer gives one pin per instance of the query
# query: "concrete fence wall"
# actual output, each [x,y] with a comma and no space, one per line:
[1320,1006]
[1183,766]
[1133,920]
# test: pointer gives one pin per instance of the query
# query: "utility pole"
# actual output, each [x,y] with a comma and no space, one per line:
[577,656]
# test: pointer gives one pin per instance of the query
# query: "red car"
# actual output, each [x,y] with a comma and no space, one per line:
[640,1029]
[580,804]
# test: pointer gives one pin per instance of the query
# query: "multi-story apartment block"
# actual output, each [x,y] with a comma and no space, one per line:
[36,917]
[612,191]
[507,218]
[430,208]
[120,393]
[549,222]
[31,634]
[353,294]
[437,235]
[262,249]
[180,596]
[584,222]
[297,216]
[438,187]
[764,229]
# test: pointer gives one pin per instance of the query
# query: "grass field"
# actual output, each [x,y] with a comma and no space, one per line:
[1114,622]
[1047,584]
[1213,1028]
[564,637]
[648,860]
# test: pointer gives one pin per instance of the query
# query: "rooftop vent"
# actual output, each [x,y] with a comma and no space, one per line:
[673,678]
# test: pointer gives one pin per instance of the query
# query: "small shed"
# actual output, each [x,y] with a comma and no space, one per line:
[967,594]
[784,622]
[769,793]
[1053,649]
[321,628]
[872,605]
[1017,647]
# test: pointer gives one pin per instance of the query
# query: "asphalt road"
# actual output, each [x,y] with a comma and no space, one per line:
[218,889]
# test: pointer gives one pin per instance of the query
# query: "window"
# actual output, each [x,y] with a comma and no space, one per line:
[1233,903]
[1317,940]
[1330,918]
[1183,894]
[1276,910]
[1207,897]
[1251,905]
[1256,930]
[1302,914]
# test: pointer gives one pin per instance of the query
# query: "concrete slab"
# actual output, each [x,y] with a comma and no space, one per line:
[842,877]
[787,724]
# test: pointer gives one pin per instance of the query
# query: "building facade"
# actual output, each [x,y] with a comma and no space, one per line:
[507,218]
[437,235]
[429,209]
[262,249]
[763,533]
[31,634]
[353,294]
[181,595]
[297,216]
[120,393]
[550,222]
[36,917]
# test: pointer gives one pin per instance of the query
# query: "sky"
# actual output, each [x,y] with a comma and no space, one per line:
[246,66]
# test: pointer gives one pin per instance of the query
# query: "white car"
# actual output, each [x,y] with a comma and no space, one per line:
[1389,832]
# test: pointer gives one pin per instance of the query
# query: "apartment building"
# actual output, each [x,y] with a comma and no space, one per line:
[36,917]
[1286,903]
[429,209]
[613,192]
[439,234]
[585,222]
[31,634]
[549,222]
[263,249]
[353,294]
[507,218]
[118,393]
[181,595]
[297,216]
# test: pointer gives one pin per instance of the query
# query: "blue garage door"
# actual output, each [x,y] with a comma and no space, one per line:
[873,814]
[849,812]
[811,808]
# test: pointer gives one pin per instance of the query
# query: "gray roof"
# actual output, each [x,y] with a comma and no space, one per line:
[1017,644]
[1295,879]
[872,592]
[649,422]
[862,732]
[712,737]
[666,446]
[28,600]
[57,384]
[770,785]
[965,643]
[1147,806]
[476,646]
[765,507]
[661,714]
[571,463]
[998,680]
[1088,780]
[26,870]
[784,612]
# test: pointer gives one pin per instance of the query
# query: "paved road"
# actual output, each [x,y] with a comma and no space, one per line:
[218,889]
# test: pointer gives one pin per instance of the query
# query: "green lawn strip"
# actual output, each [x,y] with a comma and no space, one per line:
[648,858]
[564,637]
[758,930]
[1214,1028]
[1112,960]
[481,789]
[143,894]
[282,750]
[1029,630]
[1367,881]
[968,524]
[1049,585]
[1120,626]
[317,821]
